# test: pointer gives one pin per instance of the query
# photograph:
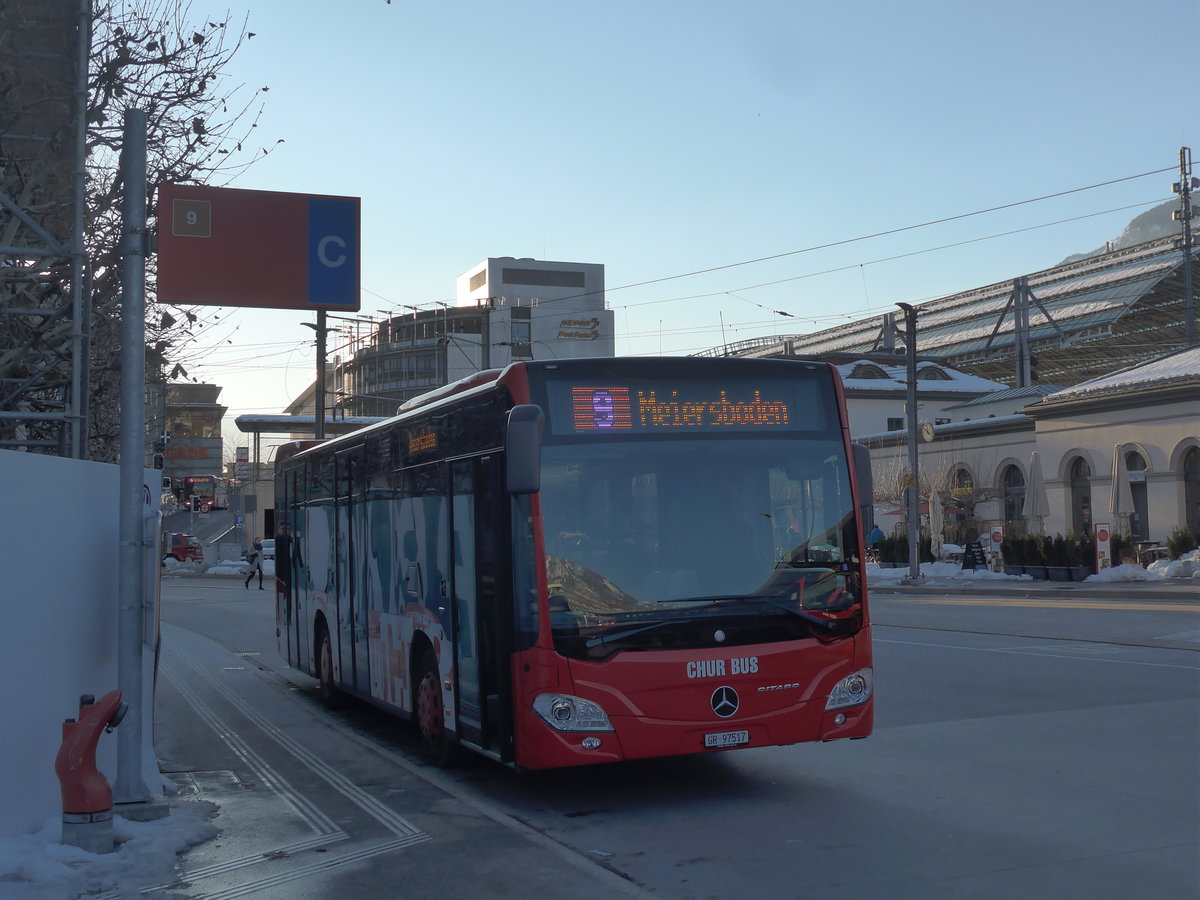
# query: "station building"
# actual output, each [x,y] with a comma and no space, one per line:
[1092,383]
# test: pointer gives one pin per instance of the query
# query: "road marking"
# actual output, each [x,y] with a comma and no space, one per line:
[1193,636]
[327,832]
[1038,603]
[1028,652]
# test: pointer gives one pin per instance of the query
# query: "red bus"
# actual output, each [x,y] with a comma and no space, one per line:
[585,561]
[210,491]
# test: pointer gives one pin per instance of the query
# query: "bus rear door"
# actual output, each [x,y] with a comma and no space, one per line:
[353,540]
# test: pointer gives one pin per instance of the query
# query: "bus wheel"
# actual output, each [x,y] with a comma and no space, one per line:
[437,745]
[326,689]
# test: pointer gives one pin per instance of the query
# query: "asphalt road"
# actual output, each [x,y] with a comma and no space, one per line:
[1033,747]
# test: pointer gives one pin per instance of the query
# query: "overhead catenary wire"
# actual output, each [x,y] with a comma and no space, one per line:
[291,347]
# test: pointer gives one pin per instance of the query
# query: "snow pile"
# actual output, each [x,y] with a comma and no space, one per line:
[1124,572]
[1187,566]
[172,566]
[239,567]
[40,867]
[877,574]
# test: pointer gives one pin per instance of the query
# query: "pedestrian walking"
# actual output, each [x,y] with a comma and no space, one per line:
[255,561]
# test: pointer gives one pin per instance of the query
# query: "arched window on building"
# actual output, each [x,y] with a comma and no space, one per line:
[1081,495]
[1139,522]
[1014,494]
[960,517]
[1191,489]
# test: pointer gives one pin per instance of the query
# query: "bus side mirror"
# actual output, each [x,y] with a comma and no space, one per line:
[866,485]
[523,449]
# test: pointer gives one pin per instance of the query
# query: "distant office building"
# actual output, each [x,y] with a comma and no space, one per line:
[192,418]
[505,310]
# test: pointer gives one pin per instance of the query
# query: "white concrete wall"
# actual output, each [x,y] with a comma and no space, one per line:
[869,415]
[59,548]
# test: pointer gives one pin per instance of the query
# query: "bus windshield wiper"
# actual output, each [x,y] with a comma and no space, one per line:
[744,598]
[609,637]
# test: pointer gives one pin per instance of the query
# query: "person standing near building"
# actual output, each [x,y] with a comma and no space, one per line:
[255,561]
[873,540]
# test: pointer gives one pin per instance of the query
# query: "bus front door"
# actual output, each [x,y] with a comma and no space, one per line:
[481,642]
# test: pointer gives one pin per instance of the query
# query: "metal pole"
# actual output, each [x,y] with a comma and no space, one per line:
[912,480]
[320,426]
[130,787]
[1185,214]
[80,301]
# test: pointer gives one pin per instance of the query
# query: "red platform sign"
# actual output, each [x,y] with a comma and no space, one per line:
[227,247]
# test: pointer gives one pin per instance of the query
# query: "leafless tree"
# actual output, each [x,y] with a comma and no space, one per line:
[154,55]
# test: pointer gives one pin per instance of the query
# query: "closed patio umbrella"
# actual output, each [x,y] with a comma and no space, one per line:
[1037,504]
[936,515]
[1120,501]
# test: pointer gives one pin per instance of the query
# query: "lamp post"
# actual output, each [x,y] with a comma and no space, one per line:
[912,480]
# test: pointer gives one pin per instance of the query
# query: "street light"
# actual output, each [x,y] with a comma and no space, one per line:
[912,480]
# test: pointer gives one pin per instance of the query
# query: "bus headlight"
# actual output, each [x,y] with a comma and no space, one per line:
[562,712]
[851,690]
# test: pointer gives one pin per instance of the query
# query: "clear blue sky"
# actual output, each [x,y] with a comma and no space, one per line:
[661,137]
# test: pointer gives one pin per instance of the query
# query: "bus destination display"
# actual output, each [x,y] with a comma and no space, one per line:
[616,409]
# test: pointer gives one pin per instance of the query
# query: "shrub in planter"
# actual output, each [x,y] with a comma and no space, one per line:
[1082,555]
[1181,542]
[925,550]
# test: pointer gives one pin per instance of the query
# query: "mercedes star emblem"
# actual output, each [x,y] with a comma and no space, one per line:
[725,702]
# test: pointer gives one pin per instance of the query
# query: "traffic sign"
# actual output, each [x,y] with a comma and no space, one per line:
[268,249]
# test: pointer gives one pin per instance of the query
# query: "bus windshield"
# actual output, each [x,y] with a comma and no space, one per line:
[683,532]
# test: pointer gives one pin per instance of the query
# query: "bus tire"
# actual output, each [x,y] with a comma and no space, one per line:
[326,688]
[438,746]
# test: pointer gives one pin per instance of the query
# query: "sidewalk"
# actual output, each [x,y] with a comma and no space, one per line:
[309,808]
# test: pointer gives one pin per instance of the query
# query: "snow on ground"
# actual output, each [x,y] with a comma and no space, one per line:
[1187,566]
[878,575]
[40,867]
[223,567]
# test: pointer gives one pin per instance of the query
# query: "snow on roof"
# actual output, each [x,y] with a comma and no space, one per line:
[1032,393]
[957,382]
[1176,367]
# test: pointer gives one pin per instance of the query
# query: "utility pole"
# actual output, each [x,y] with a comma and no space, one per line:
[322,331]
[912,479]
[1184,188]
[130,786]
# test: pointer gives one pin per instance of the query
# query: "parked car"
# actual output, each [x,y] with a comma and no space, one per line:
[268,548]
[183,547]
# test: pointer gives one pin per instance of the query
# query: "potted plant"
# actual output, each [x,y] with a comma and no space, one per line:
[1057,559]
[889,552]
[1012,551]
[1181,542]
[1035,556]
[1083,556]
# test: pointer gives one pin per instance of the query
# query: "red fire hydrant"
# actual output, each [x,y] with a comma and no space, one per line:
[86,795]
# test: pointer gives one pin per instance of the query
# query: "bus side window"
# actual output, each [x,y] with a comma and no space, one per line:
[412,570]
